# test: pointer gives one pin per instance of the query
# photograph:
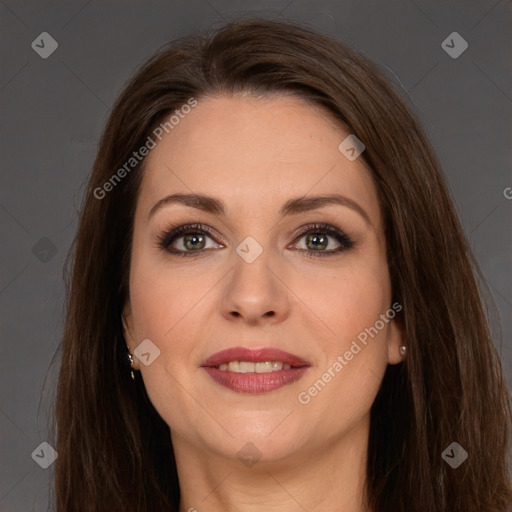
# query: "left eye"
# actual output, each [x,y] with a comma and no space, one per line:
[317,241]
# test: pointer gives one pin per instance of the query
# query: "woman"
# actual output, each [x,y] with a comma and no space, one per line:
[268,239]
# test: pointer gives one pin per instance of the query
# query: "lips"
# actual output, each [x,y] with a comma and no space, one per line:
[255,383]
[254,356]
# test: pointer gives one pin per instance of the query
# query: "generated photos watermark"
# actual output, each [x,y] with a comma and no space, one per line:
[137,156]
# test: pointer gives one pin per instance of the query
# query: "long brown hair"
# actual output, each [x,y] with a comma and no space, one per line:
[115,451]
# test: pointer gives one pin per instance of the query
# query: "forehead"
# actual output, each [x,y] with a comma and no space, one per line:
[256,153]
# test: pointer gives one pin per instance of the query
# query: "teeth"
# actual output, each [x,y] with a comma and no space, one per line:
[248,367]
[264,367]
[234,366]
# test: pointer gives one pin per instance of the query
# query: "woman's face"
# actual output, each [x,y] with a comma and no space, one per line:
[257,280]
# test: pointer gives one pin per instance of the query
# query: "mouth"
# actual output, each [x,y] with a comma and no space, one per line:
[254,371]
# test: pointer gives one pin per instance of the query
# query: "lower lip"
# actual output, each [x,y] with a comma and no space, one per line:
[255,382]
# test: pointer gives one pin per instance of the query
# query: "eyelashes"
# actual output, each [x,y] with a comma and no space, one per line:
[195,234]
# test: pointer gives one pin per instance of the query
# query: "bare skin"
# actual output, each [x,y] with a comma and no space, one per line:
[254,155]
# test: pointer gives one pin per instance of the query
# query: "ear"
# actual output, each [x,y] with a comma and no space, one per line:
[395,340]
[127,320]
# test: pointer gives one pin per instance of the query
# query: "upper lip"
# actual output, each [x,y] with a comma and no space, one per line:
[254,356]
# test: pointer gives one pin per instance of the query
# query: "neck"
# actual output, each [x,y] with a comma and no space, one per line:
[328,479]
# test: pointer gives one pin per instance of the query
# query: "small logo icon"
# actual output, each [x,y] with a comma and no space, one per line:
[44,250]
[249,455]
[44,45]
[44,455]
[351,147]
[454,455]
[454,45]
[249,249]
[147,352]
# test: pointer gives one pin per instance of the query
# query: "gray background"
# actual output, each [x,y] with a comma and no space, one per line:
[53,111]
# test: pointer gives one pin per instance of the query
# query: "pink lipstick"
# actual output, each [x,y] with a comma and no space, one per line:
[254,371]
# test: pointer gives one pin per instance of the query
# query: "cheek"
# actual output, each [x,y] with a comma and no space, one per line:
[164,296]
[348,300]
[167,309]
[354,350]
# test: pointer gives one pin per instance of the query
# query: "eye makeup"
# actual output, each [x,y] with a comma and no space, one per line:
[169,235]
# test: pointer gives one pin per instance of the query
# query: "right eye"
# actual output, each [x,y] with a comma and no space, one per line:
[187,240]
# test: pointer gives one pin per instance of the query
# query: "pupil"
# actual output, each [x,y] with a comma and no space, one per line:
[319,241]
[193,239]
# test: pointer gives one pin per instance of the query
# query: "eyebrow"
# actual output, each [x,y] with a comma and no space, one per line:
[295,205]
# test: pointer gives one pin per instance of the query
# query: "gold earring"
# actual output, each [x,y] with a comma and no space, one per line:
[130,357]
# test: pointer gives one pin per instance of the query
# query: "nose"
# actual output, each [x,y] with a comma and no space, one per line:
[256,292]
